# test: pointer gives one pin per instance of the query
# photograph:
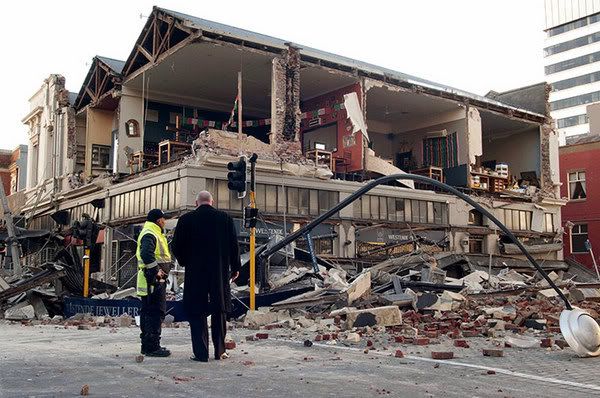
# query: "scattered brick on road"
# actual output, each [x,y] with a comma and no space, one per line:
[492,352]
[442,354]
[230,345]
[561,343]
[546,343]
[461,343]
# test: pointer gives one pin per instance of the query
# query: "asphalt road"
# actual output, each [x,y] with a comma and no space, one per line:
[51,361]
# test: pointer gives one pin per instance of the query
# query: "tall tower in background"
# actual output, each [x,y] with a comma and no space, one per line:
[572,62]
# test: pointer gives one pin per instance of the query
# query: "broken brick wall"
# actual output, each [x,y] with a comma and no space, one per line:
[285,105]
[61,95]
[549,161]
[71,133]
[549,143]
[291,126]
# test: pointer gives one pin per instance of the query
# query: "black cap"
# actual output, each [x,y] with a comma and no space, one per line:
[154,215]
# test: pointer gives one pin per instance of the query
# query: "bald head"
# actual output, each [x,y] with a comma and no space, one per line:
[204,198]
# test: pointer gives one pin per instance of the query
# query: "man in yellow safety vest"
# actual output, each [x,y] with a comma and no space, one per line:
[154,263]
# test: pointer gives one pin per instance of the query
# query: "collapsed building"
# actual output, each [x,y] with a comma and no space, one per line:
[157,128]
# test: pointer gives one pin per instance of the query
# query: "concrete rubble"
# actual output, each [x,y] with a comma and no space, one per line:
[437,300]
[21,311]
[392,303]
[381,316]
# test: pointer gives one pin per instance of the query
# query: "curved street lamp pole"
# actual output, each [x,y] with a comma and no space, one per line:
[399,177]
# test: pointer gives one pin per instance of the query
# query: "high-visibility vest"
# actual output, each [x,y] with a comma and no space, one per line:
[161,255]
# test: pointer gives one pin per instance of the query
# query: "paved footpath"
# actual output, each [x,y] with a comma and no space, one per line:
[51,361]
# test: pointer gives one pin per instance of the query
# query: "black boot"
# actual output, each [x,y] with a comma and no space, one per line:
[161,352]
[144,351]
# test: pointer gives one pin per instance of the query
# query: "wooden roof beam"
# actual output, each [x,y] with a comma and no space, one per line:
[144,52]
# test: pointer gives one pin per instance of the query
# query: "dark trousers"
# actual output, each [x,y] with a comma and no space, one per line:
[199,330]
[151,316]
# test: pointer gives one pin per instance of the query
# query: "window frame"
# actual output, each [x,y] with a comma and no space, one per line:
[575,181]
[475,218]
[572,63]
[576,100]
[579,233]
[549,227]
[477,238]
[572,121]
[518,220]
[97,150]
[572,25]
[136,128]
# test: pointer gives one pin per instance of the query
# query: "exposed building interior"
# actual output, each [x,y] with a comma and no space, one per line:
[152,130]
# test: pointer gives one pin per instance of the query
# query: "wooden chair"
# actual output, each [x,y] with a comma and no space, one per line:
[342,162]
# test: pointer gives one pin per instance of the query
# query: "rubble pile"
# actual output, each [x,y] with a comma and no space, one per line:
[411,300]
[417,298]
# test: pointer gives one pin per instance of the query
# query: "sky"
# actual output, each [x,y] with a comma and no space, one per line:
[473,45]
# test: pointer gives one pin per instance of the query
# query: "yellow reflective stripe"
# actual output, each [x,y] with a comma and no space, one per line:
[159,246]
[142,284]
[161,251]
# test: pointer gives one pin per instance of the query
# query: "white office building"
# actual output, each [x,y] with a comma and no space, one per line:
[572,62]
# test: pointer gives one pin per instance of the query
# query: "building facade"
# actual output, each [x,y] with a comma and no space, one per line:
[571,59]
[580,173]
[18,169]
[51,125]
[13,169]
[157,128]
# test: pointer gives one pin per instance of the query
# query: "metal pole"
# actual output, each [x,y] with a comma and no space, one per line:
[86,272]
[595,265]
[12,236]
[239,106]
[252,234]
[311,251]
[252,258]
[398,177]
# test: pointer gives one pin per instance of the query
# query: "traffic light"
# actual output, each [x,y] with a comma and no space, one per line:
[250,217]
[237,176]
[86,230]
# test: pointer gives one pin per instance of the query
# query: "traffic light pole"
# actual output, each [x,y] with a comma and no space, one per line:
[86,271]
[253,233]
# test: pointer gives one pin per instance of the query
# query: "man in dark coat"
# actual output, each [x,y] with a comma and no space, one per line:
[205,243]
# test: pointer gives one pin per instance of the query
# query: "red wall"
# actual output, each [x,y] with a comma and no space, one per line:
[582,158]
[5,161]
[344,127]
[5,177]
